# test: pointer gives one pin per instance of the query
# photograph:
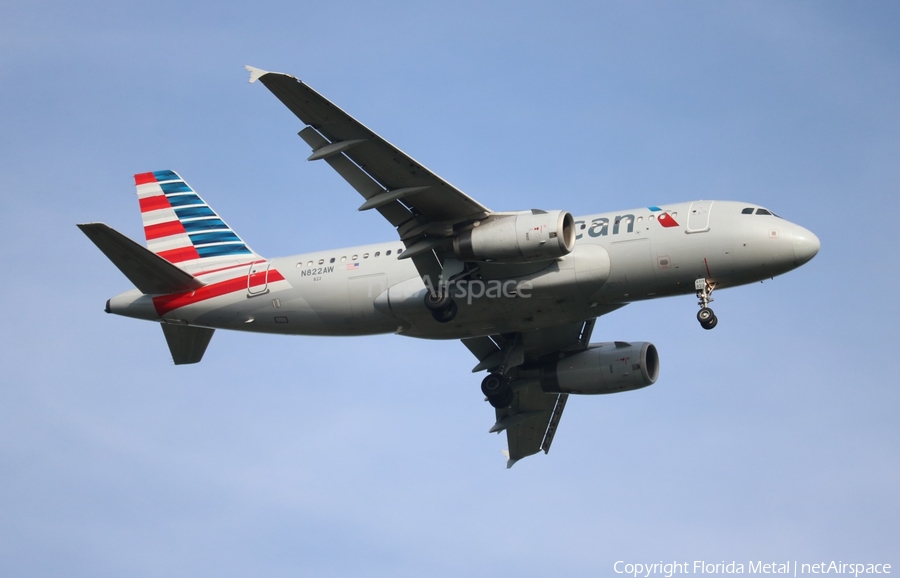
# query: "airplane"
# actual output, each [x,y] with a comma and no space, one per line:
[521,289]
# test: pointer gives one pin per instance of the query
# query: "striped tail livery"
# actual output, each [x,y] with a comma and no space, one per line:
[181,228]
[192,258]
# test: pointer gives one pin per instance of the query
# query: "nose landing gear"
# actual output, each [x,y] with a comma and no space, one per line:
[705,316]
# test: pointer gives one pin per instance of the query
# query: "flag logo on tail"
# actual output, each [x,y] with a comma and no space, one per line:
[180,227]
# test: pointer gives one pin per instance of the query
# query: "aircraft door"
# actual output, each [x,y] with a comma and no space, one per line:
[698,216]
[258,279]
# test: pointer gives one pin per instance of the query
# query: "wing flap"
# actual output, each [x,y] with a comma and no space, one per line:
[525,437]
[395,213]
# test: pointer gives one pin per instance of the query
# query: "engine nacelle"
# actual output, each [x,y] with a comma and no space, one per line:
[522,237]
[603,368]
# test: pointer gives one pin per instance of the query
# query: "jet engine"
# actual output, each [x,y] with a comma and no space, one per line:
[603,368]
[518,238]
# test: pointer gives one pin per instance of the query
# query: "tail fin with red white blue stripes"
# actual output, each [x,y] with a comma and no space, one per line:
[181,228]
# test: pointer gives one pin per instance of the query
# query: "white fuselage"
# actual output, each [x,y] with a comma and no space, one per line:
[618,258]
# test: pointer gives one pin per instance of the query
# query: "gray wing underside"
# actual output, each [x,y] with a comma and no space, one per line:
[422,206]
[533,416]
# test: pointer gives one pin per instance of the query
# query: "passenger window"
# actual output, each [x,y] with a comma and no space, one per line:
[388,252]
[331,260]
[377,253]
[365,255]
[399,251]
[762,212]
[354,257]
[343,259]
[321,261]
[310,264]
[747,211]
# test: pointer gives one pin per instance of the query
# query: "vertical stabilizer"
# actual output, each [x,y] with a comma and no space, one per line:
[182,229]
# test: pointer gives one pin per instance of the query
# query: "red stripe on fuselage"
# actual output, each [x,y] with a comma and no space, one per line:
[154,203]
[167,303]
[180,254]
[198,274]
[144,178]
[163,230]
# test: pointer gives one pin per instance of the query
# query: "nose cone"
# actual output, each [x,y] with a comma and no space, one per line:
[806,244]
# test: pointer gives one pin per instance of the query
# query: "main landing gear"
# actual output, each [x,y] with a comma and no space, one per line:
[437,298]
[442,306]
[496,389]
[705,316]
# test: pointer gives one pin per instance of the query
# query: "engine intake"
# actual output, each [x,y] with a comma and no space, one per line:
[522,237]
[603,368]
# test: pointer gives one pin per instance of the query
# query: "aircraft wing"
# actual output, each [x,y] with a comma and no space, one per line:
[422,206]
[533,416]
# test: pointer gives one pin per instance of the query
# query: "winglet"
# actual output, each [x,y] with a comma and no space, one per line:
[509,461]
[255,73]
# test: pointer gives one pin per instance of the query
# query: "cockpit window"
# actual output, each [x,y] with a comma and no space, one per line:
[747,211]
[762,212]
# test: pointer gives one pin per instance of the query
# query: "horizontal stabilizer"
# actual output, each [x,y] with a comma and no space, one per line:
[187,344]
[149,272]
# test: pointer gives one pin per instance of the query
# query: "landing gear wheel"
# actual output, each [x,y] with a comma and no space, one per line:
[493,384]
[438,301]
[501,402]
[445,315]
[441,305]
[496,388]
[705,316]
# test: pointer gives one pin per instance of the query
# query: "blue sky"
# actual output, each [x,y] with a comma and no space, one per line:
[773,437]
